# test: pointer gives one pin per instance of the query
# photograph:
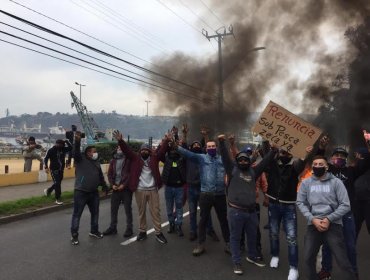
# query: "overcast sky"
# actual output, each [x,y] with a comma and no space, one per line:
[298,54]
[31,82]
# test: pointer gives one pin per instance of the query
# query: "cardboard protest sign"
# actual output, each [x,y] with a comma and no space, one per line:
[286,130]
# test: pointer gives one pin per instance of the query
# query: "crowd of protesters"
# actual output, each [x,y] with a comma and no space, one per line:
[332,195]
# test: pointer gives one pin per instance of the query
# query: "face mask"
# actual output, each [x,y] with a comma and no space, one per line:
[318,171]
[339,162]
[95,156]
[212,152]
[197,150]
[244,166]
[144,156]
[284,159]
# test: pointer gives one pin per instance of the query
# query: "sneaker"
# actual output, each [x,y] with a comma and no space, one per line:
[293,273]
[46,192]
[128,232]
[179,231]
[171,228]
[193,236]
[74,240]
[58,202]
[238,269]
[199,250]
[160,238]
[256,261]
[97,234]
[274,263]
[110,231]
[213,235]
[141,236]
[324,275]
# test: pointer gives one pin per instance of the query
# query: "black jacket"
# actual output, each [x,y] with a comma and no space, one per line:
[283,179]
[57,157]
[174,169]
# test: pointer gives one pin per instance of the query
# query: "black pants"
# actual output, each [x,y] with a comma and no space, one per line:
[117,198]
[361,212]
[335,240]
[57,176]
[206,202]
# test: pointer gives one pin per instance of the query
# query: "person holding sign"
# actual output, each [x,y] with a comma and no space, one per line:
[323,200]
[241,199]
[282,177]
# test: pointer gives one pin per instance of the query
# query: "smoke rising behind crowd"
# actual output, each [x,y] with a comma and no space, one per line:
[306,66]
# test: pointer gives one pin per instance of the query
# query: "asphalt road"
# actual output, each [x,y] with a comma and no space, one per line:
[39,248]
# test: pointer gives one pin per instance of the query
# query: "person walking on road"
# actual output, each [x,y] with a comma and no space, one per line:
[89,177]
[56,155]
[118,177]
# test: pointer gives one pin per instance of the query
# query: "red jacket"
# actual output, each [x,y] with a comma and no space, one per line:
[137,164]
[125,172]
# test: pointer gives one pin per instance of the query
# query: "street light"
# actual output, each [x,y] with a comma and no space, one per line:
[80,88]
[147,107]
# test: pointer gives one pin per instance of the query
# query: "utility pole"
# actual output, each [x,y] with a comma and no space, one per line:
[147,107]
[219,37]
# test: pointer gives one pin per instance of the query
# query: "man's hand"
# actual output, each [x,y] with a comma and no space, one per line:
[78,136]
[114,187]
[266,201]
[204,130]
[309,149]
[321,225]
[232,139]
[120,188]
[174,130]
[324,141]
[185,129]
[117,135]
[221,137]
[46,169]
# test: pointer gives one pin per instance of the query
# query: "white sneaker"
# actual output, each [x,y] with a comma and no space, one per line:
[293,273]
[46,192]
[274,263]
[58,202]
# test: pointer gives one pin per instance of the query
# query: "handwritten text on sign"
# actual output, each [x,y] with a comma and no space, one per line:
[286,130]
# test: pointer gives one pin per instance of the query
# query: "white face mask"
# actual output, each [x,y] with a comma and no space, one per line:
[95,156]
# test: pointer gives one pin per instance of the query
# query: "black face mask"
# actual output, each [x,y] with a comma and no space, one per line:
[318,171]
[197,150]
[244,166]
[285,159]
[144,156]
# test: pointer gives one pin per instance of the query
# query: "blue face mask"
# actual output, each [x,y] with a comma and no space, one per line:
[212,152]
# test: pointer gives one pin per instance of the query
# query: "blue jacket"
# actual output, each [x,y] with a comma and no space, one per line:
[211,169]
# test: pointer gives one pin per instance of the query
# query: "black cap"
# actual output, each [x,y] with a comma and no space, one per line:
[340,150]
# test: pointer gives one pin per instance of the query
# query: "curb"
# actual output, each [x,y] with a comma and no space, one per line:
[40,211]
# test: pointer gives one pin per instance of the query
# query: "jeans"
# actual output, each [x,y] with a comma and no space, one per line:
[285,213]
[206,202]
[242,222]
[80,199]
[174,196]
[57,176]
[193,200]
[349,233]
[125,197]
[335,240]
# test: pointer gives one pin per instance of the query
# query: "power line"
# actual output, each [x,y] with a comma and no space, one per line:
[129,32]
[187,7]
[81,32]
[128,21]
[61,45]
[95,49]
[88,62]
[205,5]
[181,18]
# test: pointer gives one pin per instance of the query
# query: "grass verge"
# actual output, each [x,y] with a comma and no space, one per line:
[29,204]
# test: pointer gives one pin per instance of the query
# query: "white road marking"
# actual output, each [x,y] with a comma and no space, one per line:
[133,239]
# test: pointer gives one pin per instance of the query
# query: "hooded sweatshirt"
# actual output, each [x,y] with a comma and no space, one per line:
[325,198]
